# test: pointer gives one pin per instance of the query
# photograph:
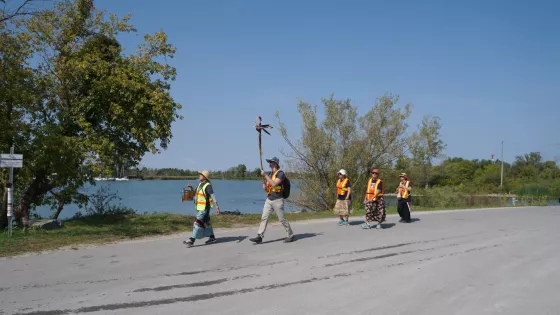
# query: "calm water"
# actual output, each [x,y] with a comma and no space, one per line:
[151,196]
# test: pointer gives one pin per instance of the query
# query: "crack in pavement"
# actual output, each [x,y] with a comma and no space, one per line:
[195,284]
[395,246]
[185,273]
[386,255]
[208,296]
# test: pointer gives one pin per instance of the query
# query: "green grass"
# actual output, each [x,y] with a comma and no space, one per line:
[97,230]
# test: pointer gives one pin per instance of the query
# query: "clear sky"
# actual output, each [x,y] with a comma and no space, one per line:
[490,69]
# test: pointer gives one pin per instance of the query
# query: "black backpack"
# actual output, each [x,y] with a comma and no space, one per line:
[287,186]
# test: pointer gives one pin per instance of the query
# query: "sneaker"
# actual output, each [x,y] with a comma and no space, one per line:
[289,239]
[341,222]
[257,239]
[366,226]
[210,240]
[189,243]
[401,221]
[378,226]
[345,223]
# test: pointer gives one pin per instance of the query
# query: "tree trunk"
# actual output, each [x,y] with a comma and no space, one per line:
[59,208]
[37,187]
[4,210]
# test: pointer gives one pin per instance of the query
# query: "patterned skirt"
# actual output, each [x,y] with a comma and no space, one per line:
[375,210]
[202,227]
[343,207]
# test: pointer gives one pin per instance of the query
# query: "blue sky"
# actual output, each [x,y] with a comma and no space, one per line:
[489,69]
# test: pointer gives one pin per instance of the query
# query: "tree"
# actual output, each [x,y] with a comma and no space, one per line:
[92,106]
[23,8]
[343,140]
[240,170]
[426,145]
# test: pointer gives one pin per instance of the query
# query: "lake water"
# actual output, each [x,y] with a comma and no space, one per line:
[158,196]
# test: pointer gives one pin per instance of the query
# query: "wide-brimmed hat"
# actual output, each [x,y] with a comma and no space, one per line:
[206,174]
[343,172]
[403,175]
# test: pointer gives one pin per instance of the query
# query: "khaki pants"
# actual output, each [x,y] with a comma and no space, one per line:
[278,207]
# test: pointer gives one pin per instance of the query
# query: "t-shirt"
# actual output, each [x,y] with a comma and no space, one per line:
[343,197]
[277,195]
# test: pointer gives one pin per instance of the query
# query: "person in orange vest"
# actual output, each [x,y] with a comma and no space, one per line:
[374,202]
[274,187]
[343,205]
[204,200]
[403,198]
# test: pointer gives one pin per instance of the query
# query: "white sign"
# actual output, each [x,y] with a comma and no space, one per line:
[11,163]
[11,160]
[7,156]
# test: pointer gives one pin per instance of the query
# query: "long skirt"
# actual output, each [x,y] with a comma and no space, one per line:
[202,227]
[343,207]
[375,210]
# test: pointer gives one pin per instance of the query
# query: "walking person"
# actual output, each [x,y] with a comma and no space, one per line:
[343,205]
[403,198]
[203,201]
[374,202]
[274,202]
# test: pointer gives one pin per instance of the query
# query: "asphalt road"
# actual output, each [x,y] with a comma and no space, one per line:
[502,261]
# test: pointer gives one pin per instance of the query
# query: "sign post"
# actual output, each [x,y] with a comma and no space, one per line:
[11,161]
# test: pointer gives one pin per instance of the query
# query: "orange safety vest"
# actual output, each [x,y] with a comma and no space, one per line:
[270,188]
[404,191]
[341,187]
[372,192]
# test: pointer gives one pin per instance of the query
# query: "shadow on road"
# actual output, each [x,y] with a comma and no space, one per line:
[387,225]
[356,222]
[228,239]
[297,237]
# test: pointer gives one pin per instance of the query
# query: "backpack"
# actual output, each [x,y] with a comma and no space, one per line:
[287,186]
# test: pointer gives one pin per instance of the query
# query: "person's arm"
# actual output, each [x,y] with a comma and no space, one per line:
[210,192]
[269,180]
[348,193]
[379,190]
[217,205]
[409,188]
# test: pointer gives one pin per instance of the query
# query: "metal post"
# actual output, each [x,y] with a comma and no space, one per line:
[502,172]
[11,197]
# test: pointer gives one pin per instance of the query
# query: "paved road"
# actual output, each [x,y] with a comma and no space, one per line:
[463,262]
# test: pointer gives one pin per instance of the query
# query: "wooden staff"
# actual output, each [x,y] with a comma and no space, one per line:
[260,127]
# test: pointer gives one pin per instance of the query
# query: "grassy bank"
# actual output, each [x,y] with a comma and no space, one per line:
[98,230]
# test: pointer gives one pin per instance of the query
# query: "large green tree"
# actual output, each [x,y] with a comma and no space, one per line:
[92,106]
[343,139]
[425,145]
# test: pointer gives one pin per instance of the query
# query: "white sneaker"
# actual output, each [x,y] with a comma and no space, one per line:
[378,226]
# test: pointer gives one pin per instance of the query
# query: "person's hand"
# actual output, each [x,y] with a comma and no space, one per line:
[262,172]
[217,210]
[264,186]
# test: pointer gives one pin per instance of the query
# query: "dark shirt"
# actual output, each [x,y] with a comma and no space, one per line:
[277,195]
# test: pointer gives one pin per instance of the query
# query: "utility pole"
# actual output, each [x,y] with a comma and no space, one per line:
[502,172]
